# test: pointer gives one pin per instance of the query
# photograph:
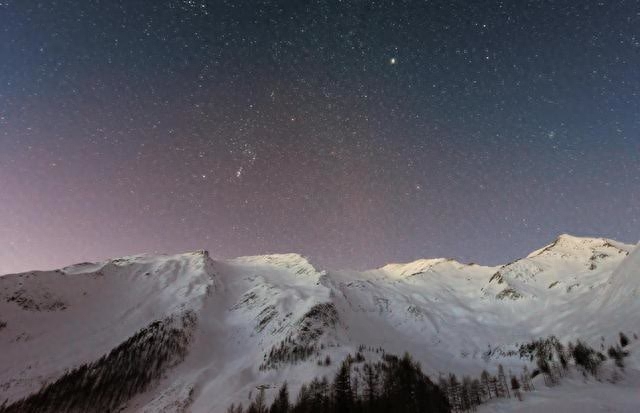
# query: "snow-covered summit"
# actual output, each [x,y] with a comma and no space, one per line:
[417,267]
[294,262]
[572,246]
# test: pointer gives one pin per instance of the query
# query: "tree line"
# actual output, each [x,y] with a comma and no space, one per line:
[468,393]
[393,384]
[398,384]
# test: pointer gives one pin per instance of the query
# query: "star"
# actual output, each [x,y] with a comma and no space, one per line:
[321,128]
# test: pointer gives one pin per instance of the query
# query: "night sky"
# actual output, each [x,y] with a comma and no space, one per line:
[356,132]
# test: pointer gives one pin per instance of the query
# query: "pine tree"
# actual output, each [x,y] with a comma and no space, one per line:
[259,404]
[624,340]
[303,401]
[618,355]
[502,379]
[556,372]
[587,358]
[495,387]
[355,388]
[281,403]
[342,395]
[515,386]
[485,380]
[476,393]
[454,393]
[319,395]
[524,382]
[527,385]
[370,384]
[465,394]
[324,393]
[562,356]
[235,409]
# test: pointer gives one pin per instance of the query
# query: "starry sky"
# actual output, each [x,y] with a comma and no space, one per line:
[353,132]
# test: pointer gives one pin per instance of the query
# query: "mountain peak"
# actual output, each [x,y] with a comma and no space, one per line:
[415,267]
[198,256]
[289,261]
[566,244]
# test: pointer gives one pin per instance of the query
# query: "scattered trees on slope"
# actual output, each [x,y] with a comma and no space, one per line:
[102,386]
[398,384]
[624,340]
[618,354]
[466,395]
[302,343]
[552,358]
[586,358]
[394,384]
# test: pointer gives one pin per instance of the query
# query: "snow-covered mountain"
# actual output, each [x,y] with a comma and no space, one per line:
[257,321]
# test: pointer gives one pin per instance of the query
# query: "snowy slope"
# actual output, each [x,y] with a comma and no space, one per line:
[59,319]
[619,307]
[257,315]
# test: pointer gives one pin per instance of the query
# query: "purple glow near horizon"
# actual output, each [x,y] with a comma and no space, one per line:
[356,134]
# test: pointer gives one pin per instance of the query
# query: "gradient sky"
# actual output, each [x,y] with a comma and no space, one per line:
[355,132]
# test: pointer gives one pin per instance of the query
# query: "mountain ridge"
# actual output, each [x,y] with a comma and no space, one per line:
[292,257]
[269,318]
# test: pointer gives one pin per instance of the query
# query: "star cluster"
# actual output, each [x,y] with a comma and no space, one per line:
[353,132]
